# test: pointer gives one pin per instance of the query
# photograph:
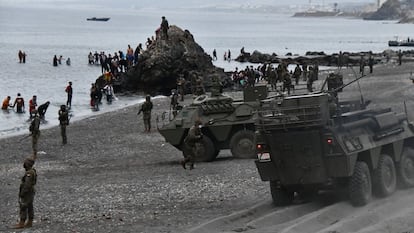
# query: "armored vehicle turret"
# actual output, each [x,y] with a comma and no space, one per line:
[312,142]
[227,123]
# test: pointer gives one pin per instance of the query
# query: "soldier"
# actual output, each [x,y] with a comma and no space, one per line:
[193,142]
[287,82]
[174,101]
[199,87]
[146,108]
[26,195]
[216,87]
[310,80]
[297,73]
[361,65]
[181,87]
[371,64]
[399,57]
[35,132]
[63,122]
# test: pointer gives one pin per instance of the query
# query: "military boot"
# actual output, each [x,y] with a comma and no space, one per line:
[29,223]
[19,225]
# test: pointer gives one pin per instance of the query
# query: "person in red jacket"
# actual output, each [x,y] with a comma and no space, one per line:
[32,105]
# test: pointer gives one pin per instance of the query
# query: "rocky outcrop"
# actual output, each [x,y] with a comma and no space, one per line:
[402,10]
[166,60]
[320,58]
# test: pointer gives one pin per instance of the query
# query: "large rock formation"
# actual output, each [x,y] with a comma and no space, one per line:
[166,60]
[390,10]
[402,10]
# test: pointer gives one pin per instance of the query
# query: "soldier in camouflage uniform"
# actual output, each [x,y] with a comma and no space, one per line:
[297,73]
[35,132]
[146,109]
[26,195]
[63,122]
[193,141]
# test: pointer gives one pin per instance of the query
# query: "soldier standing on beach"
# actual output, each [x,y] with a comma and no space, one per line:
[400,57]
[361,65]
[26,195]
[371,63]
[63,122]
[193,142]
[35,131]
[146,109]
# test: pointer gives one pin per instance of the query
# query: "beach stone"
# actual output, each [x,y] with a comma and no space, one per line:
[160,65]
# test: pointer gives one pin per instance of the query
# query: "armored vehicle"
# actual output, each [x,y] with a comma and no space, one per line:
[228,124]
[313,142]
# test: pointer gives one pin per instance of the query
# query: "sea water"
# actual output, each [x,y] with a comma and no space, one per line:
[43,33]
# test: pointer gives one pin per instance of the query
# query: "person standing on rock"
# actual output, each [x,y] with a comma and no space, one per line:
[146,109]
[63,122]
[214,55]
[26,195]
[164,28]
[193,141]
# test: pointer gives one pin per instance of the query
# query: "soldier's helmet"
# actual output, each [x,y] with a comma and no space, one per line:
[63,107]
[28,162]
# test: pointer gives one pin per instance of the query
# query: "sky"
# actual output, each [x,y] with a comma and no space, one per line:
[128,4]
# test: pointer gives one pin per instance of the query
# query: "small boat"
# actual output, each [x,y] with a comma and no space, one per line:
[396,42]
[97,19]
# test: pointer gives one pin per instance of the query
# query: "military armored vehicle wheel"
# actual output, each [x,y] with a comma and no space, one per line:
[242,144]
[384,177]
[360,188]
[208,153]
[405,168]
[280,195]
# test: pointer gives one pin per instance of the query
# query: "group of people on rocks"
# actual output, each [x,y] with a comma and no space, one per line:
[118,62]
